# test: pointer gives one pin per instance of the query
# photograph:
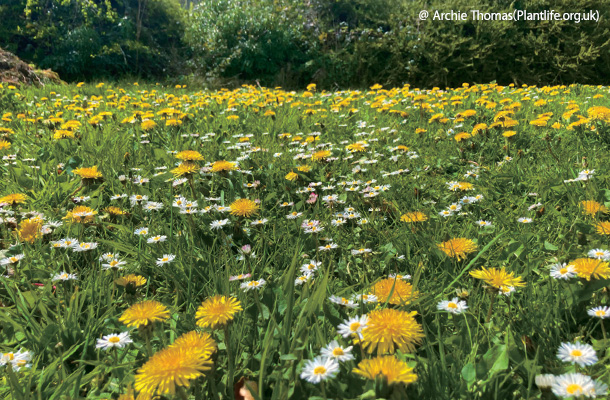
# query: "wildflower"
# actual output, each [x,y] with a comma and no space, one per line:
[545,381]
[252,285]
[353,326]
[602,312]
[328,247]
[303,278]
[335,351]
[189,155]
[171,367]
[591,268]
[84,246]
[11,260]
[525,220]
[416,216]
[389,368]
[144,313]
[217,311]
[88,174]
[81,214]
[581,354]
[319,369]
[222,166]
[563,271]
[497,278]
[389,329]
[343,301]
[573,385]
[14,198]
[141,232]
[131,280]
[119,340]
[64,276]
[156,239]
[484,224]
[603,227]
[244,208]
[167,258]
[600,254]
[185,169]
[217,224]
[394,291]
[591,207]
[17,360]
[458,247]
[454,306]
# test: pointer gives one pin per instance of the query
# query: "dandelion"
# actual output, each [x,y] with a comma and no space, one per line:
[458,247]
[319,369]
[244,208]
[416,216]
[389,368]
[389,329]
[497,278]
[118,340]
[132,280]
[454,306]
[591,207]
[88,174]
[217,311]
[13,199]
[144,313]
[603,227]
[588,268]
[581,354]
[394,291]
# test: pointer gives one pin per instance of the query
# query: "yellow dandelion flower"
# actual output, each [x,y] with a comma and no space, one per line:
[416,216]
[591,268]
[112,210]
[30,230]
[148,124]
[498,278]
[243,208]
[81,214]
[13,198]
[592,207]
[304,168]
[291,176]
[88,173]
[603,227]
[63,134]
[196,341]
[4,144]
[394,291]
[458,247]
[321,155]
[144,313]
[189,155]
[223,165]
[508,134]
[357,147]
[168,368]
[465,186]
[462,136]
[131,280]
[389,329]
[217,311]
[185,169]
[388,367]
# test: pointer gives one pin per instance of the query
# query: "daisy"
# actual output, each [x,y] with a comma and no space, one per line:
[18,360]
[219,223]
[11,260]
[167,258]
[114,263]
[63,276]
[581,354]
[319,369]
[563,271]
[141,232]
[343,301]
[484,224]
[80,247]
[445,213]
[335,351]
[157,239]
[303,278]
[600,312]
[259,222]
[454,306]
[353,326]
[239,277]
[252,285]
[525,220]
[599,254]
[328,247]
[119,340]
[545,381]
[311,267]
[573,385]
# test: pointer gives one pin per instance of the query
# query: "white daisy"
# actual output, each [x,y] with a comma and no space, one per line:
[353,326]
[167,258]
[63,276]
[253,285]
[119,340]
[573,385]
[579,353]
[454,306]
[563,271]
[600,254]
[319,369]
[602,312]
[335,351]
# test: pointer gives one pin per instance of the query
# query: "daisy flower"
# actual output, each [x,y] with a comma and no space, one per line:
[303,278]
[319,369]
[84,246]
[343,301]
[219,223]
[525,220]
[454,306]
[573,385]
[484,224]
[353,326]
[119,340]
[563,271]
[64,276]
[600,312]
[252,285]
[141,232]
[335,351]
[156,239]
[581,354]
[167,258]
[600,254]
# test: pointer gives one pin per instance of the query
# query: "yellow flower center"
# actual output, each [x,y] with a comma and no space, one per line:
[354,326]
[452,305]
[319,370]
[563,271]
[114,339]
[338,351]
[600,313]
[574,388]
[576,353]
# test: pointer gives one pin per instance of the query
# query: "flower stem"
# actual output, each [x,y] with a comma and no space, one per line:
[491,306]
[230,361]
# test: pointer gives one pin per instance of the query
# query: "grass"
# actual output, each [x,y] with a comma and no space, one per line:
[493,350]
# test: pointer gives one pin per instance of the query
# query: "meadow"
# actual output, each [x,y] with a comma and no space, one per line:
[257,243]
